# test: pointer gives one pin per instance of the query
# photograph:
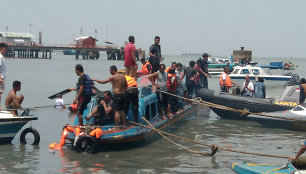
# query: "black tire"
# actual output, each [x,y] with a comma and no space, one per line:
[29,130]
[86,144]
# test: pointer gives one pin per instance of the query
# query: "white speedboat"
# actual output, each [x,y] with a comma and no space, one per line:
[254,72]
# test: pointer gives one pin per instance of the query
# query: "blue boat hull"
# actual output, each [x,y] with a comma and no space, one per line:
[251,168]
[9,130]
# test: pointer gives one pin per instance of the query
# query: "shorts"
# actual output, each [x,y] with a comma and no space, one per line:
[82,104]
[9,106]
[2,86]
[163,99]
[119,102]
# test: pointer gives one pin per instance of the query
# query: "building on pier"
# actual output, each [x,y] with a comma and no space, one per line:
[11,38]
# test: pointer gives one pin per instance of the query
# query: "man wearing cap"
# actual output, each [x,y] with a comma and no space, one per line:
[3,48]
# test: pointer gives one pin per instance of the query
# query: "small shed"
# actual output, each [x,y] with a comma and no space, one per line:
[11,38]
[85,41]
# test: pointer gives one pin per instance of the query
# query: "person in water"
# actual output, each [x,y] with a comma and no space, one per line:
[259,88]
[12,103]
[84,92]
[119,89]
[59,102]
[103,113]
[302,91]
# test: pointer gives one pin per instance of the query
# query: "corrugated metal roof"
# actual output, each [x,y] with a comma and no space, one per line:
[20,35]
[84,37]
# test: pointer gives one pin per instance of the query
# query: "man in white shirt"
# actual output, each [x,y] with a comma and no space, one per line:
[3,48]
[247,87]
[59,103]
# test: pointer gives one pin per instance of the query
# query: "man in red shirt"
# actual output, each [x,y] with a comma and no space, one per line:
[130,58]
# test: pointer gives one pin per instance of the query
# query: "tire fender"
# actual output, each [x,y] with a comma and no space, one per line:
[32,131]
[86,144]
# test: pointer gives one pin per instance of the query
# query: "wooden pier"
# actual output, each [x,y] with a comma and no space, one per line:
[44,52]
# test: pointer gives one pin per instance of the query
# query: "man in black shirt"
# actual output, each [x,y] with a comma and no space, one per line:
[204,68]
[191,73]
[84,91]
[155,55]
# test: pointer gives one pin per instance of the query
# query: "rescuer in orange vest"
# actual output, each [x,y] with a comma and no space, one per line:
[225,81]
[146,66]
[173,66]
[132,97]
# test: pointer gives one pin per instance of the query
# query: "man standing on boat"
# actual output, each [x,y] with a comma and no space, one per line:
[3,48]
[259,88]
[119,89]
[155,54]
[204,74]
[146,66]
[191,74]
[302,91]
[225,81]
[12,103]
[161,86]
[248,87]
[84,92]
[130,58]
[132,97]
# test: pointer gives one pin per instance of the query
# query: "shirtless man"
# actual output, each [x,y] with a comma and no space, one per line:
[119,89]
[12,103]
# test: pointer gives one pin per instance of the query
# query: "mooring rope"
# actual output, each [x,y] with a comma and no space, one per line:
[213,147]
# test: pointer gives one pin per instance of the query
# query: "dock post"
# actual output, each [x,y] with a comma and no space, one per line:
[49,54]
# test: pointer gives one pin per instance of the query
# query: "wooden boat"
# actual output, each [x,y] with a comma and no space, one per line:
[132,134]
[10,125]
[251,168]
[292,167]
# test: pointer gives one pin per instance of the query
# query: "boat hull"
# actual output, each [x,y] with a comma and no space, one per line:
[251,168]
[240,103]
[9,126]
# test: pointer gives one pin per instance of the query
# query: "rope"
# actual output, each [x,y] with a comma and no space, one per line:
[214,150]
[243,112]
[214,147]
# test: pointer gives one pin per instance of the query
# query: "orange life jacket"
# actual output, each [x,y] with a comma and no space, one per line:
[167,70]
[131,82]
[96,132]
[227,81]
[145,68]
[171,86]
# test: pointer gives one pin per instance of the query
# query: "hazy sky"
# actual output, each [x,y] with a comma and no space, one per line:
[274,28]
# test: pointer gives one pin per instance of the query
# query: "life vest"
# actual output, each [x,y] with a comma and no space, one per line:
[171,87]
[145,68]
[227,81]
[167,69]
[131,82]
[96,132]
[87,87]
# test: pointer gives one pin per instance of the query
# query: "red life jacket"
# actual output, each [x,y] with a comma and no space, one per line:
[171,87]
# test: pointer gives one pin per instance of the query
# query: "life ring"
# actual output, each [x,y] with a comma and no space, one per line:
[86,144]
[30,130]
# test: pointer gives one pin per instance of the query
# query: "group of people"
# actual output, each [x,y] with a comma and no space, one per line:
[12,101]
[112,107]
[256,90]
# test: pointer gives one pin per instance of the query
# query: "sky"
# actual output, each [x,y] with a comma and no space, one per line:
[270,28]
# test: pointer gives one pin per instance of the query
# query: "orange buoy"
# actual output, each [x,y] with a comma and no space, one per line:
[73,107]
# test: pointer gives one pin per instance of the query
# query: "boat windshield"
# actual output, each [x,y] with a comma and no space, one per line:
[255,71]
[298,108]
[245,71]
[236,71]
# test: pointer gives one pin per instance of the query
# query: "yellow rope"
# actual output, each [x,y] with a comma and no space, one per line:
[183,147]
